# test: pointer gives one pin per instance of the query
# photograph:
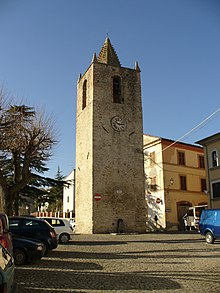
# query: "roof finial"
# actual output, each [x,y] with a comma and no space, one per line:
[80,76]
[94,58]
[136,67]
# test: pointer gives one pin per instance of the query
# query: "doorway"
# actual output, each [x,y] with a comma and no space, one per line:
[182,209]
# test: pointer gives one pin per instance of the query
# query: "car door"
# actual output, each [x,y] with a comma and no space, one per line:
[217,224]
[15,225]
[7,271]
[31,228]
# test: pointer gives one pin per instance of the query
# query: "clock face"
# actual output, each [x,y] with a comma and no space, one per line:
[118,123]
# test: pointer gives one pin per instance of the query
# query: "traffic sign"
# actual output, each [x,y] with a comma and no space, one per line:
[97,196]
[158,200]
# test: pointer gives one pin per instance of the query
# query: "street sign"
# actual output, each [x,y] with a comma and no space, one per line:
[97,196]
[158,200]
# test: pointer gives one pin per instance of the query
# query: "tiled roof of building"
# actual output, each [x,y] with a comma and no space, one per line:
[108,55]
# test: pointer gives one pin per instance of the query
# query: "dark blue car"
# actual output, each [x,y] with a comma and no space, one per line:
[31,227]
[26,250]
[209,225]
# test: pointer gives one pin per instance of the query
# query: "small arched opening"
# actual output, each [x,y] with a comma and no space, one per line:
[84,95]
[117,95]
[120,226]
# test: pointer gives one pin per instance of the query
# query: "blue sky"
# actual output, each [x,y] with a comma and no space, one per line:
[46,44]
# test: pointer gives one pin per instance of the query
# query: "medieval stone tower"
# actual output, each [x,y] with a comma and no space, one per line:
[109,141]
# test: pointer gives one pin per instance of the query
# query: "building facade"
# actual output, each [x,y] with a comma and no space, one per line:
[175,180]
[69,195]
[109,140]
[211,146]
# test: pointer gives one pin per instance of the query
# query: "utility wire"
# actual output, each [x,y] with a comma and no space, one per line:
[200,124]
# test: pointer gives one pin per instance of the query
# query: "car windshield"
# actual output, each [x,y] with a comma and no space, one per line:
[47,223]
[55,222]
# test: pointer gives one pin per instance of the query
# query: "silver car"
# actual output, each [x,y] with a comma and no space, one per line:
[62,228]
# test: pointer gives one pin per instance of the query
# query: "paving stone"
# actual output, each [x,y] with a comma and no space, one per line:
[126,263]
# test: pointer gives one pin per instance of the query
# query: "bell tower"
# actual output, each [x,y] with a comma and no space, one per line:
[109,194]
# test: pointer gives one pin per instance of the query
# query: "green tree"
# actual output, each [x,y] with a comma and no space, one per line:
[55,198]
[26,141]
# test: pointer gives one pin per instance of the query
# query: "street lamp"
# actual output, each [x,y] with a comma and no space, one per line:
[168,188]
[171,181]
[168,203]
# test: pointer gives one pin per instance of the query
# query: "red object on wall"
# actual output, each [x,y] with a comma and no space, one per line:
[158,200]
[97,196]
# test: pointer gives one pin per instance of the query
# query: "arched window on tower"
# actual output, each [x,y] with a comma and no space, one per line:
[215,162]
[117,96]
[84,96]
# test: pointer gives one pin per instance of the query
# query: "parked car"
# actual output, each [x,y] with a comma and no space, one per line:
[7,271]
[26,250]
[31,227]
[62,228]
[73,223]
[209,224]
[5,235]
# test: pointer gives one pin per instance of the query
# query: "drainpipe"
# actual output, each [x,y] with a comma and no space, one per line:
[209,191]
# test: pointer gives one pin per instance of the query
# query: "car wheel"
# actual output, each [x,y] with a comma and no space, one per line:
[20,257]
[209,238]
[46,248]
[64,238]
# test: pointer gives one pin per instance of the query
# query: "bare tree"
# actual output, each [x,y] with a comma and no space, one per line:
[26,141]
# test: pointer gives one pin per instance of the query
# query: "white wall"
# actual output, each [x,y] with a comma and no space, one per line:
[69,193]
[153,144]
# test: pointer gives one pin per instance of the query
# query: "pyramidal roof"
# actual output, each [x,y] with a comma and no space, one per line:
[108,55]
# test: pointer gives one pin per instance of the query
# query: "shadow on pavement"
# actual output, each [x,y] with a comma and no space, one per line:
[179,253]
[95,243]
[68,264]
[167,241]
[49,281]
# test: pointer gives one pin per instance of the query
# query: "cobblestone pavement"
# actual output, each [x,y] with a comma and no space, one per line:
[126,263]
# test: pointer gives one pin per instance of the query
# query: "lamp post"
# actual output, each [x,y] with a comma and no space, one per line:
[167,202]
[168,188]
[171,181]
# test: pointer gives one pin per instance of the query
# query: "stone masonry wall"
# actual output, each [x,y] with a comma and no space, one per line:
[118,158]
[109,162]
[84,152]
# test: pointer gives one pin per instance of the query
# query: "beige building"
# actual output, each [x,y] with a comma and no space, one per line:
[109,194]
[175,180]
[211,146]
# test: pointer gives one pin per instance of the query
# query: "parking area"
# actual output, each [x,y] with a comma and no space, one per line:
[126,263]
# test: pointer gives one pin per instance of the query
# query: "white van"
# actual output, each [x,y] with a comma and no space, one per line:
[62,228]
[191,219]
